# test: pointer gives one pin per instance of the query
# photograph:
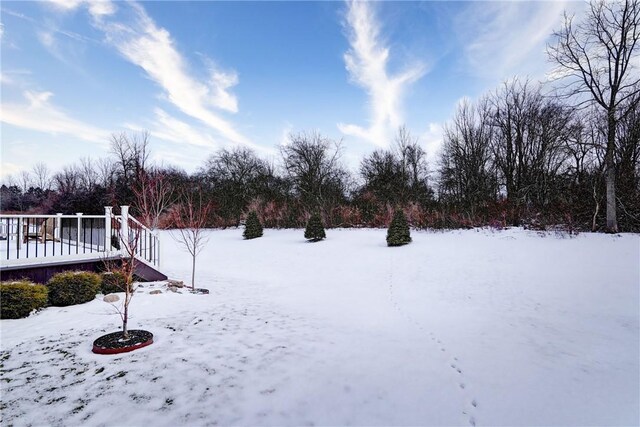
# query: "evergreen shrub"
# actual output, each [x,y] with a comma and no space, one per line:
[398,233]
[315,230]
[73,287]
[20,298]
[112,282]
[252,228]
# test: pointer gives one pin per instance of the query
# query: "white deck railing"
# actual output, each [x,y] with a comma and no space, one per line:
[42,239]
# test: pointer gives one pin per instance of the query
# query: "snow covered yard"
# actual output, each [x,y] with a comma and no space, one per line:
[457,328]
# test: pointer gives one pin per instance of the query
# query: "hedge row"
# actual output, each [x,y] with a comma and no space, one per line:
[19,298]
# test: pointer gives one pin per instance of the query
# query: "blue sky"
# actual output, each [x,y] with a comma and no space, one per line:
[204,75]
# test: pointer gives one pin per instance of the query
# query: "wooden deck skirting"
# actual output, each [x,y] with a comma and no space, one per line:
[38,246]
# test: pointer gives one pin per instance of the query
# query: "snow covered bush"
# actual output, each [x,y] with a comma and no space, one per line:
[112,282]
[315,230]
[21,298]
[252,228]
[73,287]
[398,233]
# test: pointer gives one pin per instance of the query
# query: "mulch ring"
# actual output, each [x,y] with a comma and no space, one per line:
[115,343]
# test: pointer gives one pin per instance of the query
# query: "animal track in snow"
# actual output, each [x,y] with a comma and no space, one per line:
[454,365]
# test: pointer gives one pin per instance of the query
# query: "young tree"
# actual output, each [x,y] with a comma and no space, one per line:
[190,219]
[596,59]
[398,233]
[252,228]
[129,239]
[314,230]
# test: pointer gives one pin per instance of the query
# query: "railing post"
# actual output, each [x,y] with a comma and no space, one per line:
[107,228]
[124,231]
[20,232]
[58,230]
[79,214]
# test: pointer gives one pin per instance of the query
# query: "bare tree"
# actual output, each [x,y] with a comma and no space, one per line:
[312,162]
[190,219]
[132,154]
[413,161]
[234,177]
[154,193]
[595,58]
[529,141]
[126,267]
[106,170]
[67,181]
[25,181]
[41,176]
[88,174]
[467,175]
[397,175]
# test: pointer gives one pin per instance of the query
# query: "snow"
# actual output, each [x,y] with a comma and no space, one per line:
[457,328]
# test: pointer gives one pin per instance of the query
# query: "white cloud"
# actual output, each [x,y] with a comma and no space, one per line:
[97,8]
[8,169]
[152,48]
[367,62]
[284,134]
[432,140]
[171,129]
[502,39]
[39,114]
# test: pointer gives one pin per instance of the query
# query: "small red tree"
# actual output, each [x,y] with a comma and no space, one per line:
[190,219]
[129,241]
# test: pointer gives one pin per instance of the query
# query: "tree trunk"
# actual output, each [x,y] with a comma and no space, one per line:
[610,175]
[193,273]
[125,316]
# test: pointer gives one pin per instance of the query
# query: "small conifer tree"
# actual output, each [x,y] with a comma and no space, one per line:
[252,227]
[315,230]
[398,233]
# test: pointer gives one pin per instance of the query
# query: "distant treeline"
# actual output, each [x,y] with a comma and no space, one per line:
[514,157]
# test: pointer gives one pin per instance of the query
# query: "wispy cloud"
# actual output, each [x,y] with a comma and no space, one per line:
[168,128]
[152,48]
[136,36]
[40,114]
[97,8]
[367,63]
[502,39]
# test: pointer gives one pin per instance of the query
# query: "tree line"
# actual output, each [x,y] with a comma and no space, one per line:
[537,155]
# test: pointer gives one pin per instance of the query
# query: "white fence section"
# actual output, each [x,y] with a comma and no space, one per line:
[48,239]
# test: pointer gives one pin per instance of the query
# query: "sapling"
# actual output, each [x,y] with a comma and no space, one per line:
[190,218]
